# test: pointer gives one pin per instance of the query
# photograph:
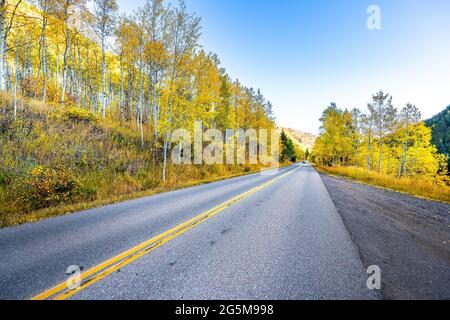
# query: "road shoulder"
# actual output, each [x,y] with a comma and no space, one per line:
[408,237]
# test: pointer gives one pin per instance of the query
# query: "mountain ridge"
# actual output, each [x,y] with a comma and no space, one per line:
[303,139]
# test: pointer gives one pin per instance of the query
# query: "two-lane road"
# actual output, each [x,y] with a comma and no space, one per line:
[280,237]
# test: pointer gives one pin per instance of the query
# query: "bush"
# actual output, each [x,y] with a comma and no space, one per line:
[213,169]
[4,177]
[46,187]
[80,115]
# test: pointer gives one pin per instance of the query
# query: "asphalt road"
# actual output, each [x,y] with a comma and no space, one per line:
[284,241]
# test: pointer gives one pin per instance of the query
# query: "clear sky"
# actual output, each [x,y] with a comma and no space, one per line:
[304,54]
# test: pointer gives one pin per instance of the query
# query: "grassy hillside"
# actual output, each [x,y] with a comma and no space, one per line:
[102,130]
[56,159]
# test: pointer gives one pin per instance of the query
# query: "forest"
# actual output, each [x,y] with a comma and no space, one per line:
[90,96]
[383,145]
[440,126]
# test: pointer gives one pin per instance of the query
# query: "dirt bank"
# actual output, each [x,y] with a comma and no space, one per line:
[409,238]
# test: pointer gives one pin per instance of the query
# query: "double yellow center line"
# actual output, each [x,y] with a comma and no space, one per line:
[91,276]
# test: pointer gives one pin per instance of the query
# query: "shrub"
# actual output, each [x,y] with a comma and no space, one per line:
[4,177]
[148,179]
[80,115]
[213,169]
[46,187]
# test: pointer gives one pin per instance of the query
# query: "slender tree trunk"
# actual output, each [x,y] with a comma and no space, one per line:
[155,119]
[16,84]
[130,94]
[149,99]
[103,67]
[15,101]
[41,54]
[16,62]
[131,80]
[369,150]
[2,44]
[141,99]
[65,66]
[402,169]
[380,159]
[166,146]
[122,92]
[5,28]
[44,86]
[64,79]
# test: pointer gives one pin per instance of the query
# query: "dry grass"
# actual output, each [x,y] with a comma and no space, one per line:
[96,161]
[419,186]
[14,219]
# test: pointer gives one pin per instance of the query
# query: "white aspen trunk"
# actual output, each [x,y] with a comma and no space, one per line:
[122,92]
[369,149]
[380,159]
[15,101]
[130,94]
[103,67]
[402,167]
[16,84]
[141,98]
[155,120]
[44,86]
[166,145]
[80,79]
[2,46]
[66,49]
[41,54]
[64,81]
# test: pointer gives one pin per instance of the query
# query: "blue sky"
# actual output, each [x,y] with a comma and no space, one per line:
[305,54]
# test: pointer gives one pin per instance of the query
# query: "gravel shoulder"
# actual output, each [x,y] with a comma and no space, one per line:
[408,237]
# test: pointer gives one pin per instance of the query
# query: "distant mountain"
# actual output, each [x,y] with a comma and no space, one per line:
[440,125]
[302,139]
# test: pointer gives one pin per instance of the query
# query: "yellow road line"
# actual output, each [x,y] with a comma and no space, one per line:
[62,291]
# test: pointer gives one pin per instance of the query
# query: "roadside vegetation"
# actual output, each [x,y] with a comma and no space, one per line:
[418,186]
[57,159]
[383,146]
[89,99]
[289,150]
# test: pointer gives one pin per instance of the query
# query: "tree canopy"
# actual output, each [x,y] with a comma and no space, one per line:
[382,138]
[440,126]
[145,70]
